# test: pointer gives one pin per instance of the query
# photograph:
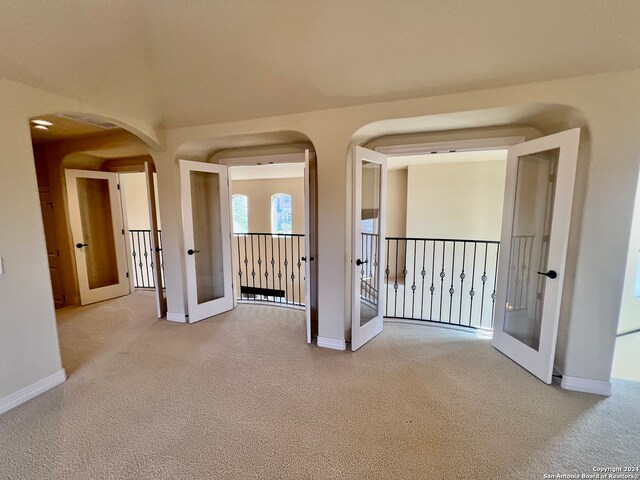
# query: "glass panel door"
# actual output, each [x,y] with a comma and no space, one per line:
[535,233]
[530,234]
[207,234]
[95,213]
[369,181]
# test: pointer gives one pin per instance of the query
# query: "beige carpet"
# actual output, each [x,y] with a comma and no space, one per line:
[243,396]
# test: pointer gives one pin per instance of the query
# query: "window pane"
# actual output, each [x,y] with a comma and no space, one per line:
[240,207]
[281,217]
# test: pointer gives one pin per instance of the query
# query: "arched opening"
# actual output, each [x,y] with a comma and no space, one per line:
[99,208]
[272,191]
[452,194]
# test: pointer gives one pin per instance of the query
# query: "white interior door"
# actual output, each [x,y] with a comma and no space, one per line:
[535,233]
[368,230]
[95,214]
[307,248]
[161,302]
[206,218]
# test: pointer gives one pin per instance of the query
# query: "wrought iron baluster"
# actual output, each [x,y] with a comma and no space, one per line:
[495,277]
[140,265]
[286,270]
[442,275]
[404,279]
[423,272]
[484,281]
[386,283]
[293,276]
[432,288]
[451,289]
[395,284]
[473,279]
[299,274]
[413,285]
[279,268]
[238,256]
[273,266]
[462,277]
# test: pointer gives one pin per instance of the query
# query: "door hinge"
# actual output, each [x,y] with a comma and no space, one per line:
[127,274]
[123,231]
[118,186]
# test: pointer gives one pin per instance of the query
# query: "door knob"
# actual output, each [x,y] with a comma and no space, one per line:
[191,252]
[551,274]
[360,262]
[80,245]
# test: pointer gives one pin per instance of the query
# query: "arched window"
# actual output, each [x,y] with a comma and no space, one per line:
[281,217]
[240,206]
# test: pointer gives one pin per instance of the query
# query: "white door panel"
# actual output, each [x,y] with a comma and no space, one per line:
[95,214]
[368,231]
[207,238]
[538,202]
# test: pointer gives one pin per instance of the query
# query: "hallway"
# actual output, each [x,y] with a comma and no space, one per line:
[243,396]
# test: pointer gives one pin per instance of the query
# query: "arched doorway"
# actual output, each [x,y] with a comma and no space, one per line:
[80,161]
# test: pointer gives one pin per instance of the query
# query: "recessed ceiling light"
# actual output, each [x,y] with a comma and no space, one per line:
[44,123]
[41,127]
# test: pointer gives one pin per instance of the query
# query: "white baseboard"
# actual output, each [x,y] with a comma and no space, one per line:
[177,317]
[585,385]
[33,390]
[333,343]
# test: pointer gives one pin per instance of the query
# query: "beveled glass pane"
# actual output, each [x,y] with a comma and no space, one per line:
[97,230]
[530,233]
[369,245]
[207,235]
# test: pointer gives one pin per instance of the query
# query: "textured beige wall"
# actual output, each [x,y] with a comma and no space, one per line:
[29,350]
[456,200]
[397,203]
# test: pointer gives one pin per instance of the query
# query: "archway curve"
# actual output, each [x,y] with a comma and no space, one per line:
[525,120]
[209,148]
[145,133]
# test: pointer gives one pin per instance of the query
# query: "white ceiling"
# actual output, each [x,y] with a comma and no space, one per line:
[184,63]
[398,163]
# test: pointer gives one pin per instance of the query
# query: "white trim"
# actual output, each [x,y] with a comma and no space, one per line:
[297,157]
[333,343]
[177,317]
[33,390]
[451,145]
[586,385]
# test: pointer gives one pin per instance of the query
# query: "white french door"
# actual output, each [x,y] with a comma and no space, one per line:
[97,229]
[368,233]
[206,218]
[308,258]
[161,301]
[535,233]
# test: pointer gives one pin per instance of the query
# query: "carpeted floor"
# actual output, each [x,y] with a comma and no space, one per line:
[243,396]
